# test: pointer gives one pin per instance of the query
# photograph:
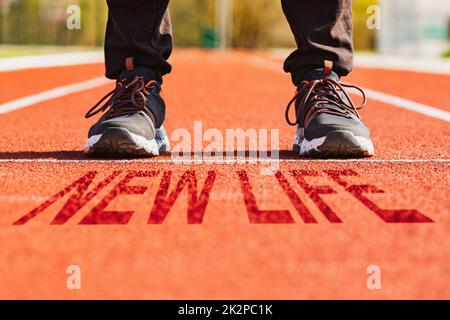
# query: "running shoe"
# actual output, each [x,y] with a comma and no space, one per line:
[133,113]
[328,122]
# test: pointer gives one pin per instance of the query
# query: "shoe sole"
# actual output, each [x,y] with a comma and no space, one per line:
[162,140]
[122,143]
[337,144]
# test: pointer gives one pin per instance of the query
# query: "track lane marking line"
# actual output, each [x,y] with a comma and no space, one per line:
[391,62]
[52,94]
[389,99]
[257,61]
[51,60]
[410,105]
[227,162]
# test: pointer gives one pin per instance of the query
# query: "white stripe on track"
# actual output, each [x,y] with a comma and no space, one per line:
[429,111]
[51,60]
[52,94]
[392,100]
[409,63]
[257,61]
[226,162]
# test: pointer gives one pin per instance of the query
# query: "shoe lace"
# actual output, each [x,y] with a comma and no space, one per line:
[325,95]
[124,99]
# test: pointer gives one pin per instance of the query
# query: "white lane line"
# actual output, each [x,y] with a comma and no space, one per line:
[392,100]
[432,112]
[388,61]
[52,94]
[225,162]
[403,63]
[51,60]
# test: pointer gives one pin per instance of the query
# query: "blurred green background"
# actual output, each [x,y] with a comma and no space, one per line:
[256,23]
[39,26]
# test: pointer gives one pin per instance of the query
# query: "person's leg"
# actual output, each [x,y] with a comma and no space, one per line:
[138,43]
[140,29]
[328,122]
[323,31]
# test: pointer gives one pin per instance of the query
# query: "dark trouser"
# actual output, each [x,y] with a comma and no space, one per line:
[141,29]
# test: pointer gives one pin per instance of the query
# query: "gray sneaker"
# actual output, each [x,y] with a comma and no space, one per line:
[328,123]
[132,124]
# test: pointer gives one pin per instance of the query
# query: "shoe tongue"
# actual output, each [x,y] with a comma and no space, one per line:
[318,74]
[129,75]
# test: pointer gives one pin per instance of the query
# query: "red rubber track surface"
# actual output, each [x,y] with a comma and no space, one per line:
[17,84]
[232,248]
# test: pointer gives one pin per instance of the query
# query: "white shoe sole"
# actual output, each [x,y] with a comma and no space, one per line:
[120,141]
[339,143]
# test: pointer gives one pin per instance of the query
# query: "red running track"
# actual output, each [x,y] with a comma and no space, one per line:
[198,231]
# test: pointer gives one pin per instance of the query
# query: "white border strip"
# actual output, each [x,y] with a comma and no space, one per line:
[400,62]
[52,94]
[257,61]
[403,63]
[225,162]
[408,105]
[51,60]
[392,100]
